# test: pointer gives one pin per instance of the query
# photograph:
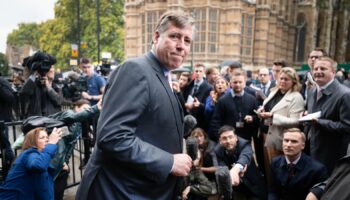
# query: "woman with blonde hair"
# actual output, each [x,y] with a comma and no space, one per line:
[31,176]
[281,109]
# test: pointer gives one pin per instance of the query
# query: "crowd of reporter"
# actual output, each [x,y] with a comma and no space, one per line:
[251,141]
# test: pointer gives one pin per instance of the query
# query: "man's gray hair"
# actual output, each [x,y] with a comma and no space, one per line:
[176,18]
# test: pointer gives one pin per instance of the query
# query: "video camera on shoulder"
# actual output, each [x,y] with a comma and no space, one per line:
[40,62]
[73,85]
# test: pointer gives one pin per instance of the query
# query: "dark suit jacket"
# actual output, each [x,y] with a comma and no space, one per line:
[252,181]
[227,113]
[201,94]
[308,172]
[337,186]
[139,130]
[7,99]
[272,85]
[330,137]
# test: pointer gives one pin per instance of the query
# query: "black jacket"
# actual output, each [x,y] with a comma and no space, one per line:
[252,182]
[227,112]
[6,100]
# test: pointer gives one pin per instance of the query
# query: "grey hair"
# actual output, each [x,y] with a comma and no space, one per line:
[176,18]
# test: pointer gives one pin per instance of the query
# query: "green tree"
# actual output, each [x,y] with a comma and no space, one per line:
[3,65]
[56,36]
[27,33]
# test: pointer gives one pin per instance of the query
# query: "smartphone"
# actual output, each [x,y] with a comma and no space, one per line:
[65,131]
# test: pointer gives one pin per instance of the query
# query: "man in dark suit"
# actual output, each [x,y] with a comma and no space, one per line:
[198,90]
[236,108]
[337,185]
[236,153]
[328,135]
[294,173]
[138,152]
[265,83]
[307,82]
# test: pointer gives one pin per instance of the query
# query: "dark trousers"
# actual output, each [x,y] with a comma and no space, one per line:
[6,151]
[61,184]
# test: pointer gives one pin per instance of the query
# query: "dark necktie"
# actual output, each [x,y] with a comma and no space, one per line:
[195,89]
[264,89]
[291,171]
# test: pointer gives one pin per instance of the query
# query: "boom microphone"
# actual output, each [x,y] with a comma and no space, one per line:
[192,147]
[223,179]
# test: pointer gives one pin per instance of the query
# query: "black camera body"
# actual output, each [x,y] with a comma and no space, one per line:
[73,86]
[104,69]
[40,62]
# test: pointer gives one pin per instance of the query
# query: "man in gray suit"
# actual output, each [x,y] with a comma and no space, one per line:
[138,152]
[328,135]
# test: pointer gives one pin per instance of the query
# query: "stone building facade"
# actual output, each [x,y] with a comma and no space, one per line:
[255,32]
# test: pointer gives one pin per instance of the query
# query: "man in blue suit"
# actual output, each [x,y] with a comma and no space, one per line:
[138,152]
[294,173]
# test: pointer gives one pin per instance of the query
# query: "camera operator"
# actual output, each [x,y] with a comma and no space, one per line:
[96,83]
[39,94]
[104,69]
[6,100]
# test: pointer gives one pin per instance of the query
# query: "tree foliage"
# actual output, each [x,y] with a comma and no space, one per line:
[3,64]
[55,36]
[27,33]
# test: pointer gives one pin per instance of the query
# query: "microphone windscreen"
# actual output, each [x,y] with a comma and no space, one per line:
[190,123]
[73,76]
[223,179]
[192,147]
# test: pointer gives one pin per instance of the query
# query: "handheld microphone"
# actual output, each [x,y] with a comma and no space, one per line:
[192,147]
[223,179]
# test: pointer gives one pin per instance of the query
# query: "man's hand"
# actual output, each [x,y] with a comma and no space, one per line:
[234,173]
[176,86]
[189,106]
[311,196]
[182,165]
[85,95]
[196,102]
[185,193]
[248,119]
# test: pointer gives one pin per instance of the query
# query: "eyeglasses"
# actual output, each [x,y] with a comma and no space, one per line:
[314,57]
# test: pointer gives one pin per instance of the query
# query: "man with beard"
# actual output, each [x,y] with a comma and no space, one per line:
[329,134]
[236,108]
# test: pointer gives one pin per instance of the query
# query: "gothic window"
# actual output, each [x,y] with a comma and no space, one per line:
[200,16]
[247,34]
[206,36]
[300,38]
[148,23]
[213,30]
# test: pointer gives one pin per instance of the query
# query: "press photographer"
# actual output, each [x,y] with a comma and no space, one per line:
[39,94]
[104,69]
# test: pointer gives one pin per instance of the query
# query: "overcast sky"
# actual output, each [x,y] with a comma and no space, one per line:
[13,12]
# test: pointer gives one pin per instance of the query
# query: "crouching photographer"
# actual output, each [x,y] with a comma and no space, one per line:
[39,94]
